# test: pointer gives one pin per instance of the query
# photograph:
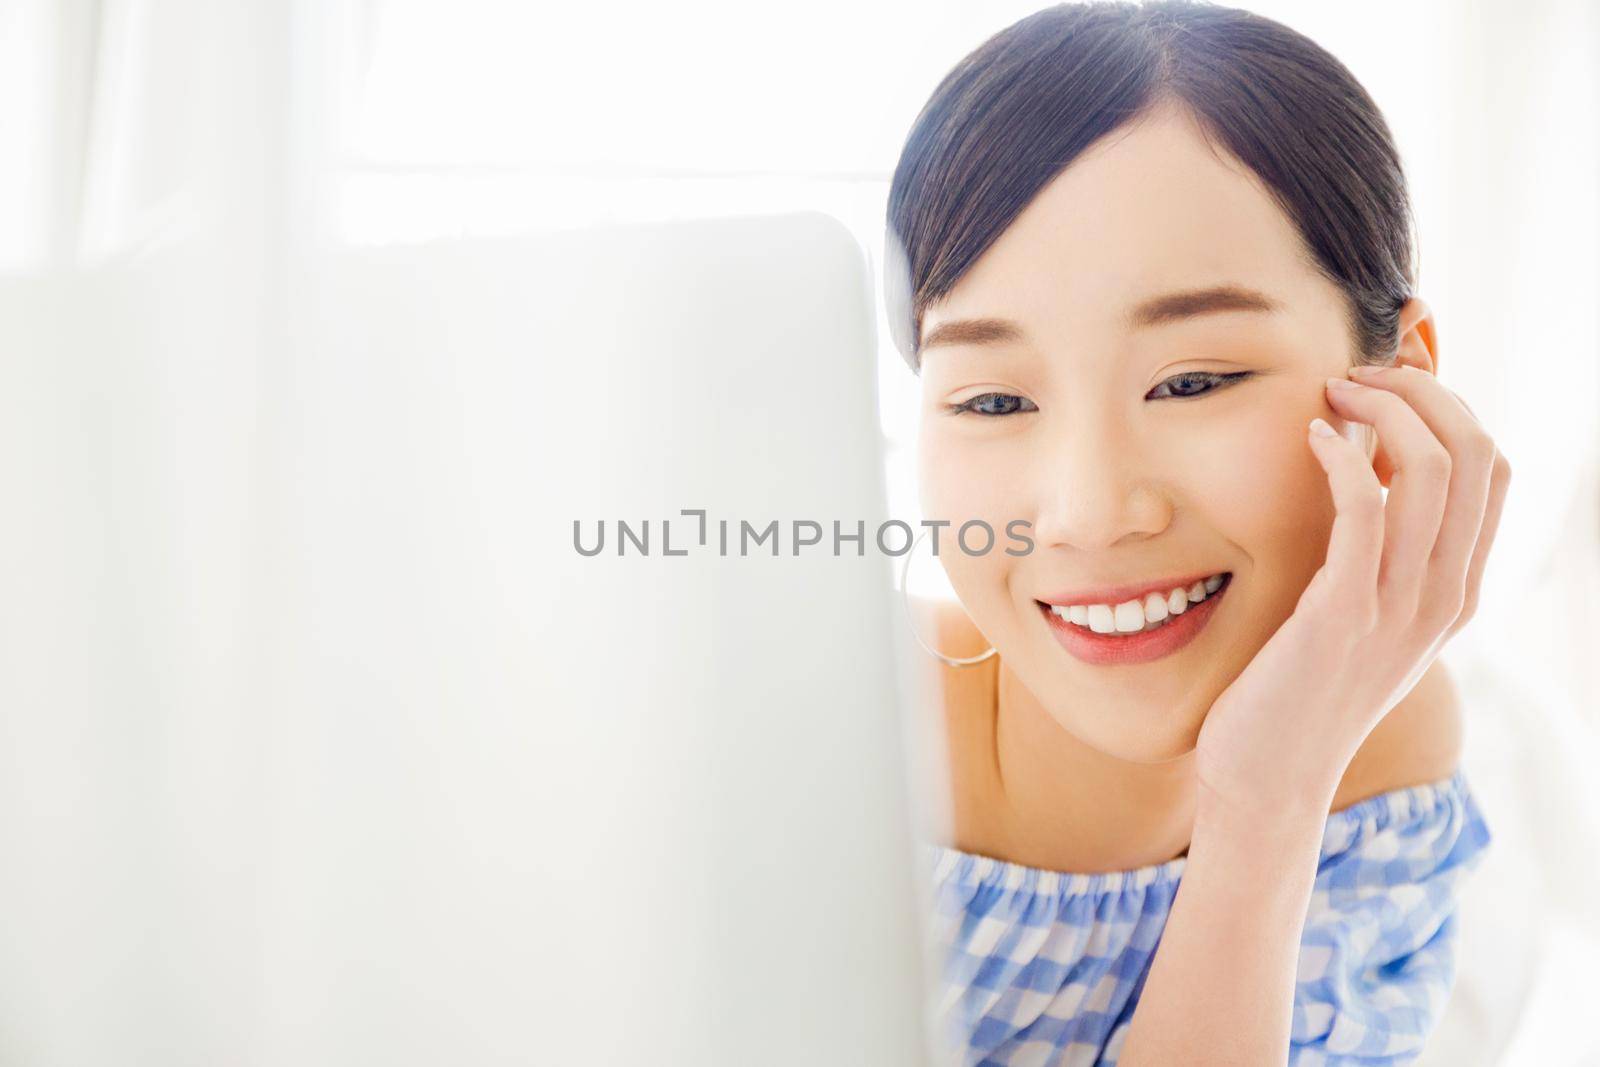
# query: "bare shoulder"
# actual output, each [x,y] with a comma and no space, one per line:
[1418,742]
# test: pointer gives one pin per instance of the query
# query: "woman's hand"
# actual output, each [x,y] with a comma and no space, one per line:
[1400,578]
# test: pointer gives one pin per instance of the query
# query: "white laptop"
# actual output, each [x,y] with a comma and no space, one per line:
[562,808]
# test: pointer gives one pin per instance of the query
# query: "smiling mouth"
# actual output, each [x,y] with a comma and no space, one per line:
[1114,646]
[1141,615]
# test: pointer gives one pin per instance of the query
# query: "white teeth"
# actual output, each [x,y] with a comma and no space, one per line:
[1133,616]
[1155,607]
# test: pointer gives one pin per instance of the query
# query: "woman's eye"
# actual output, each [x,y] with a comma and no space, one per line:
[1177,387]
[992,404]
[1194,383]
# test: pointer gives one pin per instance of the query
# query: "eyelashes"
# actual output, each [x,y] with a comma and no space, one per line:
[999,405]
[1009,401]
[1212,379]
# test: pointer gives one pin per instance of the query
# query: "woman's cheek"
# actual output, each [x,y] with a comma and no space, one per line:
[1267,495]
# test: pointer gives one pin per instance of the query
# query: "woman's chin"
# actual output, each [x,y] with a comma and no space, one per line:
[1147,713]
[1148,730]
[1159,742]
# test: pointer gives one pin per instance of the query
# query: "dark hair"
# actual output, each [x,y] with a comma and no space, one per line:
[1015,112]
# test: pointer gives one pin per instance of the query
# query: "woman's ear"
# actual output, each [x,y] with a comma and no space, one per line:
[1419,347]
[1419,340]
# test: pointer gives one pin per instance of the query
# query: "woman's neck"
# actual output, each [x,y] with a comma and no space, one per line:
[1068,806]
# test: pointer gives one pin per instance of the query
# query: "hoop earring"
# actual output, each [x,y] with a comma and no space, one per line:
[911,622]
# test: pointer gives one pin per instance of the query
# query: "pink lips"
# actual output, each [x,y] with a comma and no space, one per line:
[1108,649]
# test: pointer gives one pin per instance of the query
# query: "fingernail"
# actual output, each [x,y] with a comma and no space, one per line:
[1321,428]
[1342,383]
[1365,369]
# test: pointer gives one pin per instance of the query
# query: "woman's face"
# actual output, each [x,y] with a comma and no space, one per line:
[1147,437]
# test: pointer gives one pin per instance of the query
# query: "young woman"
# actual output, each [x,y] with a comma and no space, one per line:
[1153,266]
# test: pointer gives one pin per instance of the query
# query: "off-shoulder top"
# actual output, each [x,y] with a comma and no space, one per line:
[1043,967]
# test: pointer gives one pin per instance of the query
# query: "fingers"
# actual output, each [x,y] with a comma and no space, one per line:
[1349,577]
[1463,403]
[1418,490]
[1472,461]
[1499,483]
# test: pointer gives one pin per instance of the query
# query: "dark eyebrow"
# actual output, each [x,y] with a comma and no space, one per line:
[1169,307]
[973,332]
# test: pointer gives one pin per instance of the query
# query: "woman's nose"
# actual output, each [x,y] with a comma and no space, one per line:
[1095,488]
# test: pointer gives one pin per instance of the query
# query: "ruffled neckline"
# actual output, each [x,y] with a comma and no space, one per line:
[1374,814]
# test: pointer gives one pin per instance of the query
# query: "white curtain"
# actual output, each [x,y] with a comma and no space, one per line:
[138,327]
[175,167]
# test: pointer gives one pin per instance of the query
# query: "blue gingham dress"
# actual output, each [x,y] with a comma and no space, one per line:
[1045,968]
